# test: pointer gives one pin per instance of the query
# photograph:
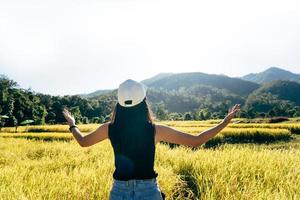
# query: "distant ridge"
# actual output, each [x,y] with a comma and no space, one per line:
[96,93]
[175,81]
[186,80]
[272,74]
[155,78]
[193,95]
[238,86]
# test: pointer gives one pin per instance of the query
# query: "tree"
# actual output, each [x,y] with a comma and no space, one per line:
[188,116]
[11,106]
[39,114]
[202,114]
[2,120]
[5,85]
[13,122]
[175,116]
[85,120]
[161,113]
[297,113]
[76,113]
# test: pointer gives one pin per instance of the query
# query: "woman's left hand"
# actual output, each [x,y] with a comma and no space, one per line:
[69,117]
[232,112]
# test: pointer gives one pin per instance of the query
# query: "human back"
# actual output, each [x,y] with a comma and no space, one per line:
[132,136]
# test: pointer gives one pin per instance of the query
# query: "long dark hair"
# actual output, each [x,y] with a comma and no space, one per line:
[139,112]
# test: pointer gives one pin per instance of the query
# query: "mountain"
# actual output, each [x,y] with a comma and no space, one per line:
[193,98]
[146,82]
[96,93]
[210,96]
[156,78]
[276,98]
[174,82]
[178,96]
[283,90]
[186,80]
[271,74]
[187,92]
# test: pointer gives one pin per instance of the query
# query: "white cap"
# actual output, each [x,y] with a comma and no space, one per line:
[131,93]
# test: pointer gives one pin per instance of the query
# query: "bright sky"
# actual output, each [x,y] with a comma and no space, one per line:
[71,46]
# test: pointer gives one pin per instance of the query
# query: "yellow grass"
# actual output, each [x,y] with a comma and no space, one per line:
[61,169]
[228,135]
[191,126]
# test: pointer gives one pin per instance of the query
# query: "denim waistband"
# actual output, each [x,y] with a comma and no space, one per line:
[134,181]
[136,189]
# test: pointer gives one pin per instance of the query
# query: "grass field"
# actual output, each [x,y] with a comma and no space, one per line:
[259,162]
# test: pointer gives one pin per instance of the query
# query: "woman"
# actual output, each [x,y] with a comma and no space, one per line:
[133,136]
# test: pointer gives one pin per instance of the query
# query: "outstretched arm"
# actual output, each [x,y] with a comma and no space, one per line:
[101,133]
[167,134]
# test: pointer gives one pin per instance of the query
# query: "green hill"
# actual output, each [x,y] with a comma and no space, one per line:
[285,90]
[271,74]
[187,80]
[156,78]
[96,93]
[209,96]
[180,96]
[276,98]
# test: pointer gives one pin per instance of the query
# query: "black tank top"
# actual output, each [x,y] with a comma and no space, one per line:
[133,143]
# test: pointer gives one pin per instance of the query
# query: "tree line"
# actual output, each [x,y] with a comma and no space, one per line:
[18,105]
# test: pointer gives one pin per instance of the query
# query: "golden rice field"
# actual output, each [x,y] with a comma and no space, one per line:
[258,162]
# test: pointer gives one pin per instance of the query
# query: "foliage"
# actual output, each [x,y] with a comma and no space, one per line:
[187,99]
[20,105]
[277,98]
[37,167]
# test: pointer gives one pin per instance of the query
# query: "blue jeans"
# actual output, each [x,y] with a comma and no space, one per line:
[147,189]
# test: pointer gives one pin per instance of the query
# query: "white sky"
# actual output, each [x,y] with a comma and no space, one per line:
[76,46]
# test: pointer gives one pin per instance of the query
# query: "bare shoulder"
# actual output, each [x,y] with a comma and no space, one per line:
[161,131]
[101,133]
[171,135]
[161,128]
[104,126]
[102,129]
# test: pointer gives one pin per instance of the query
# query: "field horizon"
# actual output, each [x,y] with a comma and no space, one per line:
[245,161]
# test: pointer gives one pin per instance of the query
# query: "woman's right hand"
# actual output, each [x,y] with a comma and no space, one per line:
[69,117]
[232,112]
